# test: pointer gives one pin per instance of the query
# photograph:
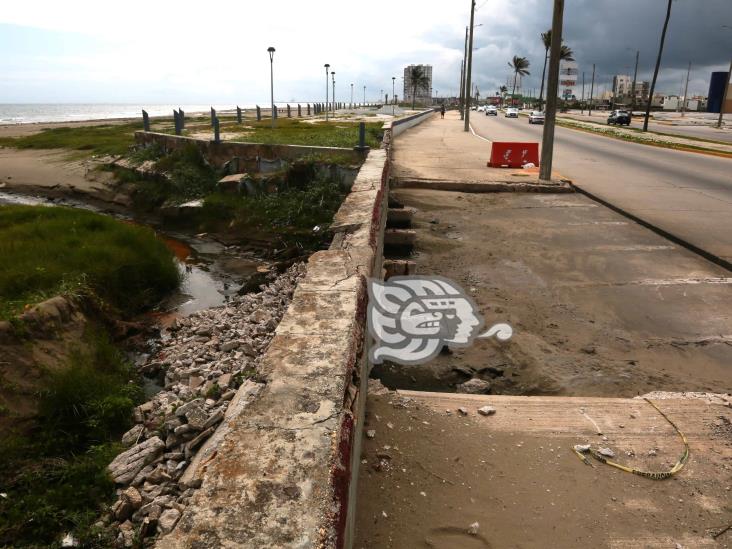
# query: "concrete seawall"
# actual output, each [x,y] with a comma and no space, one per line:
[281,470]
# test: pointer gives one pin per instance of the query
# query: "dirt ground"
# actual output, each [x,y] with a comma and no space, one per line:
[599,305]
[429,473]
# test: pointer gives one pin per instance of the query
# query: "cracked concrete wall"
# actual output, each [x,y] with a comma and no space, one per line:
[281,470]
[220,153]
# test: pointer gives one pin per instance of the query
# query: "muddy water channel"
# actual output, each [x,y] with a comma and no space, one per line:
[212,271]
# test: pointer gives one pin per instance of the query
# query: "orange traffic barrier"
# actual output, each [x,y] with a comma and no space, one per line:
[505,154]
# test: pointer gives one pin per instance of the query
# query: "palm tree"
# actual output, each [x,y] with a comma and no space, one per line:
[658,65]
[503,90]
[565,54]
[519,66]
[418,79]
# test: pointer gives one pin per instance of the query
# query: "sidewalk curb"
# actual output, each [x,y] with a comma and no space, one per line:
[656,229]
[479,186]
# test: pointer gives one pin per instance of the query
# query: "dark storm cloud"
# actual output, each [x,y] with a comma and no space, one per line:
[604,32]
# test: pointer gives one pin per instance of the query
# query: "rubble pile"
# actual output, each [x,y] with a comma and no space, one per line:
[203,360]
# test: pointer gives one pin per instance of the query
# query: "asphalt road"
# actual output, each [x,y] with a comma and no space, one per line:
[701,132]
[688,195]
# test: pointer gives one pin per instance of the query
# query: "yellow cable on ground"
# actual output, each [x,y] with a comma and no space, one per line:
[660,475]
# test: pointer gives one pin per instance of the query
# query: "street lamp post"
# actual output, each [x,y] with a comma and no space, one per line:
[327,66]
[364,95]
[332,75]
[393,90]
[271,51]
[351,94]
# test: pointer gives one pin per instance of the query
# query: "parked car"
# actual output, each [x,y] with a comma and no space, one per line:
[511,112]
[619,117]
[491,110]
[536,117]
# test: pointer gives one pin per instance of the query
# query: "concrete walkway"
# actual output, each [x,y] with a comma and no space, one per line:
[440,150]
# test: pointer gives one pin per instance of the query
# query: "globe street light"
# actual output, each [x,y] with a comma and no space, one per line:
[271,51]
[332,75]
[364,95]
[327,66]
[393,98]
[352,94]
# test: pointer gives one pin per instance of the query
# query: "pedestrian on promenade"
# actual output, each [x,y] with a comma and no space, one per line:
[442,111]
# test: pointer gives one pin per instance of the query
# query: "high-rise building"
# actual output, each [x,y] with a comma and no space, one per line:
[623,89]
[423,93]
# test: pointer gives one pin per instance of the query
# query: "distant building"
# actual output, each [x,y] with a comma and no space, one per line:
[423,94]
[623,89]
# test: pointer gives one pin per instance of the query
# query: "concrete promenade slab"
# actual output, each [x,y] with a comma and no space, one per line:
[435,477]
[440,150]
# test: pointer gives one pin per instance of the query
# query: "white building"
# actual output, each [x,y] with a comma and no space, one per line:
[423,93]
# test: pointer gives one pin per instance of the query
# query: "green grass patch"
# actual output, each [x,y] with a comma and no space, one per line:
[295,131]
[55,475]
[293,210]
[102,139]
[52,250]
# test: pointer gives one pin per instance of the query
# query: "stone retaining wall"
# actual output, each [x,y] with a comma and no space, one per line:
[284,468]
[220,153]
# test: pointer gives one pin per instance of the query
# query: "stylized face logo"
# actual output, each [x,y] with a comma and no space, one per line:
[412,317]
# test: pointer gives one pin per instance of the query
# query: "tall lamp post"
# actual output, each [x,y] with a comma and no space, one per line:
[332,75]
[469,66]
[393,90]
[327,66]
[351,93]
[364,95]
[271,51]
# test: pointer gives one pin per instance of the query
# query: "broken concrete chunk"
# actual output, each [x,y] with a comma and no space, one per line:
[125,466]
[168,520]
[474,386]
[487,411]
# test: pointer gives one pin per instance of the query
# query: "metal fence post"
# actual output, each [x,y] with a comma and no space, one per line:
[145,121]
[238,114]
[259,113]
[217,136]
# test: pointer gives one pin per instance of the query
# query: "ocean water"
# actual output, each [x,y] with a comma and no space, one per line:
[19,113]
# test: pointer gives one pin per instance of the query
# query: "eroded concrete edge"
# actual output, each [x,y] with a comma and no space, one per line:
[281,469]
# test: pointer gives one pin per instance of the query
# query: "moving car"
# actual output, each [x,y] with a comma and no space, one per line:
[619,117]
[511,112]
[491,110]
[481,108]
[536,117]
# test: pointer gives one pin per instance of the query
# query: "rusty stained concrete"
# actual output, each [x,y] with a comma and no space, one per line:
[280,474]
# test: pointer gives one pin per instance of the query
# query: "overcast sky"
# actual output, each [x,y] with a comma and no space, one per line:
[160,51]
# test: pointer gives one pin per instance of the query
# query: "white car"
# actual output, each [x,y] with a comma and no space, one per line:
[511,112]
[536,117]
[491,110]
[481,108]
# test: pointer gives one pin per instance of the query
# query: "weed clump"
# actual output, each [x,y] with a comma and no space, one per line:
[54,476]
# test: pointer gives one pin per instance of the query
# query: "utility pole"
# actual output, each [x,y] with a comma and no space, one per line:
[635,75]
[582,103]
[724,96]
[469,67]
[658,65]
[547,141]
[592,90]
[462,77]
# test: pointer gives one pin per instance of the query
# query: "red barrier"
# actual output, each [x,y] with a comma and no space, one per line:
[513,155]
